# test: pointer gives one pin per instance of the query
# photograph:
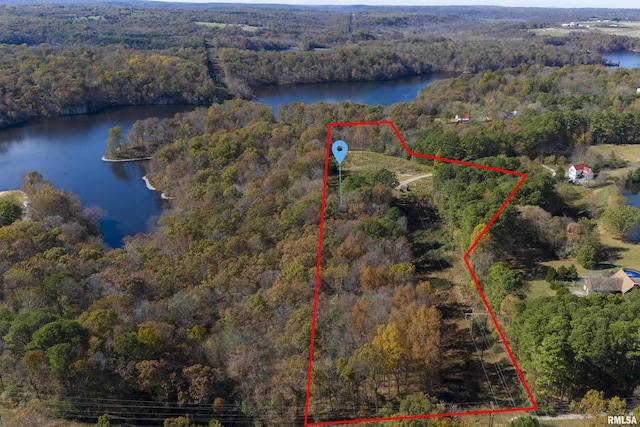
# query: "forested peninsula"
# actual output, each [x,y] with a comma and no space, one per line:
[208,319]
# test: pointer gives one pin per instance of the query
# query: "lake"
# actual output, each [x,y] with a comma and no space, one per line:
[67,150]
[371,93]
[627,58]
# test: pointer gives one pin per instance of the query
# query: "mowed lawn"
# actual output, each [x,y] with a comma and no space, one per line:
[627,254]
[629,153]
[363,161]
[624,255]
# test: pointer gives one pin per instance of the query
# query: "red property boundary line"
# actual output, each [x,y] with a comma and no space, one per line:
[523,177]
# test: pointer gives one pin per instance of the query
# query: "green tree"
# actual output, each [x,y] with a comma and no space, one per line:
[104,421]
[502,281]
[551,275]
[563,272]
[24,325]
[60,357]
[418,404]
[10,212]
[587,256]
[527,421]
[58,332]
[622,221]
[114,140]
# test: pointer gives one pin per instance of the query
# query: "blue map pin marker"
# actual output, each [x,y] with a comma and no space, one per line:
[339,149]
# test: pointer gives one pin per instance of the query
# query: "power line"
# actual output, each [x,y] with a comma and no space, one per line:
[486,375]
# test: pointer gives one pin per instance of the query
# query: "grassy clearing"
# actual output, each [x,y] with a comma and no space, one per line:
[630,153]
[603,192]
[574,195]
[552,31]
[605,196]
[601,195]
[16,196]
[421,186]
[363,161]
[629,29]
[248,28]
[539,289]
[627,253]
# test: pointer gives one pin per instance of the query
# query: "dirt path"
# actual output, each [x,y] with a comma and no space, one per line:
[553,173]
[410,180]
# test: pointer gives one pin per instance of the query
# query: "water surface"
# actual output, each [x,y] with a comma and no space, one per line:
[67,150]
[627,58]
[385,93]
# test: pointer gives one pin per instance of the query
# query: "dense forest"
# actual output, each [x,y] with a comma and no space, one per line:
[207,320]
[46,80]
[80,58]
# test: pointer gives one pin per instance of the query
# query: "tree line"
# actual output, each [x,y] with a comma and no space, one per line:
[385,60]
[50,80]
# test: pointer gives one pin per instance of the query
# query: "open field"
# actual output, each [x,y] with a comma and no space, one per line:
[248,28]
[539,289]
[555,31]
[630,153]
[627,253]
[362,161]
[629,29]
[595,198]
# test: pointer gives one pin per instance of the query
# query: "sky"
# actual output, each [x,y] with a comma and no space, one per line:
[619,4]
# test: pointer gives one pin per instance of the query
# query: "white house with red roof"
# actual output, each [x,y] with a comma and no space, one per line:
[465,118]
[580,171]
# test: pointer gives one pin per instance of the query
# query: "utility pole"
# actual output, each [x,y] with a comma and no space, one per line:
[491,416]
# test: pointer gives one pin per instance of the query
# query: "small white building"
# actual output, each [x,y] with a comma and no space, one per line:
[580,171]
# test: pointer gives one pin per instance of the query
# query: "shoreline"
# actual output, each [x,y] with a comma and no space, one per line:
[163,196]
[98,110]
[148,183]
[138,159]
